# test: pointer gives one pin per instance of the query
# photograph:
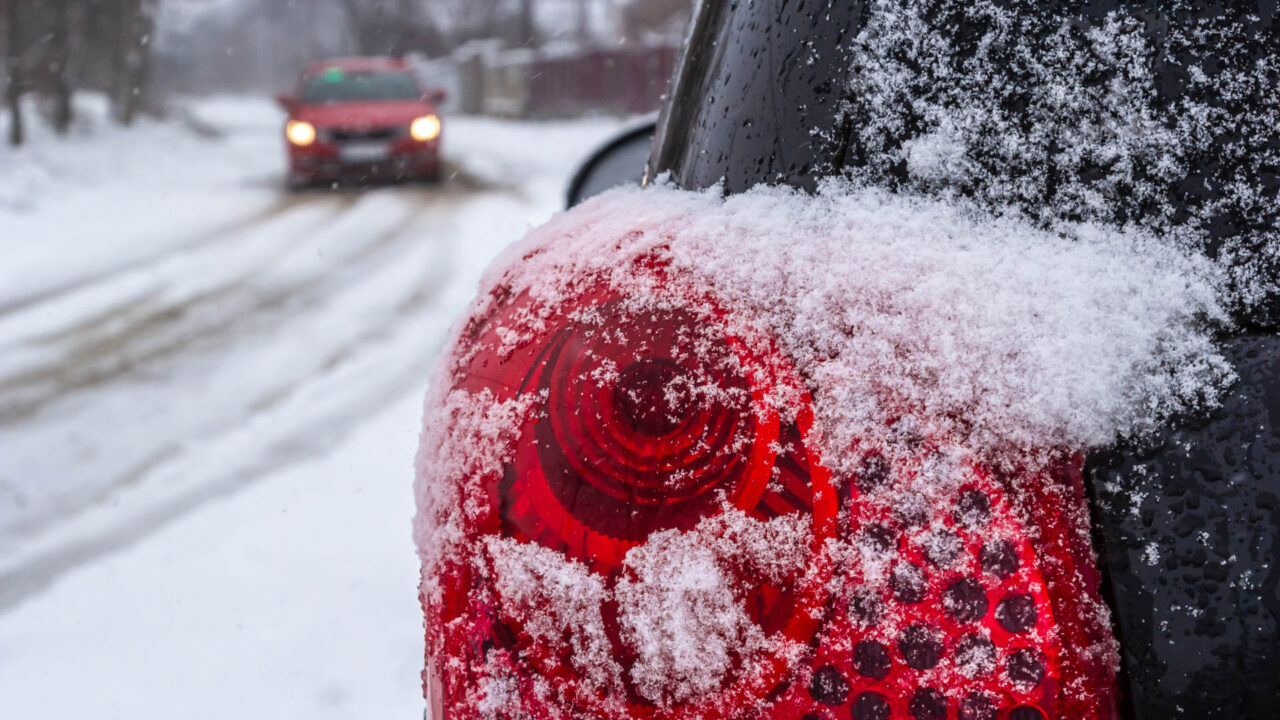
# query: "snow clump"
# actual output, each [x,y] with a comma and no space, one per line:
[1015,339]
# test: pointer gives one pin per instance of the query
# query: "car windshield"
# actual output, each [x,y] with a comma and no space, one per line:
[336,85]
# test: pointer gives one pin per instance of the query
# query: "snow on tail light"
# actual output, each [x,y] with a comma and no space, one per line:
[646,422]
[655,438]
[682,463]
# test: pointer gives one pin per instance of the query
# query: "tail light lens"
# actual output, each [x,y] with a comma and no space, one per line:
[656,414]
[979,604]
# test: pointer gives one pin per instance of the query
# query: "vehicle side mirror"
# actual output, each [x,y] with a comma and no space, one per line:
[287,101]
[620,161]
[435,96]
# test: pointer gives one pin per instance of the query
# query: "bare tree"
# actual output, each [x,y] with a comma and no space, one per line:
[117,28]
[363,17]
[133,22]
[583,20]
[56,46]
[13,65]
[59,64]
[641,17]
[396,27]
[378,25]
[470,19]
[527,28]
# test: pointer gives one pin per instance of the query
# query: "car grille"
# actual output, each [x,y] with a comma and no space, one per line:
[364,135]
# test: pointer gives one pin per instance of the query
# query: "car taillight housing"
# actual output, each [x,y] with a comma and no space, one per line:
[647,408]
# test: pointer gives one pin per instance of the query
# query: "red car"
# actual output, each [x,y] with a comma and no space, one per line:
[362,119]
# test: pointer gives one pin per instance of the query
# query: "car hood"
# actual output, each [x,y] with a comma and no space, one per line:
[363,115]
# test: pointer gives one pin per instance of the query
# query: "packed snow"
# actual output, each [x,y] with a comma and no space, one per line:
[682,613]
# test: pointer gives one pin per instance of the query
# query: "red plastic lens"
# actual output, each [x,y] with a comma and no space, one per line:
[646,417]
[967,625]
[641,433]
[653,415]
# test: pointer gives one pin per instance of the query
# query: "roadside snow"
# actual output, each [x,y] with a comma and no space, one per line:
[204,503]
[107,197]
[292,599]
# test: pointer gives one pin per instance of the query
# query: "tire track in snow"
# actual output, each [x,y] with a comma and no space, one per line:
[322,422]
[150,331]
[114,343]
[240,313]
[281,207]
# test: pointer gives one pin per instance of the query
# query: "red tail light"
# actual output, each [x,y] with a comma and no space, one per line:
[981,615]
[657,416]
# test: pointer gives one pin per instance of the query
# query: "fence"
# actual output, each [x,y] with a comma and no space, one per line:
[482,79]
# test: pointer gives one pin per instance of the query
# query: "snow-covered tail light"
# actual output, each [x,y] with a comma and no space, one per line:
[661,458]
[673,468]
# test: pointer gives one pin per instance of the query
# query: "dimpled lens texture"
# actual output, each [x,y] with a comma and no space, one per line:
[955,638]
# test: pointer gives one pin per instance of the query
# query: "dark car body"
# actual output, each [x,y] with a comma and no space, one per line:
[780,92]
[362,113]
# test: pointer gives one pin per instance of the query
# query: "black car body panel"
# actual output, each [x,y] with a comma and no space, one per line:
[620,161]
[1193,563]
[1187,523]
[756,85]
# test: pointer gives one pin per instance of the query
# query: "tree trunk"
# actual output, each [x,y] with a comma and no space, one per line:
[362,23]
[13,92]
[584,21]
[117,50]
[144,29]
[527,29]
[59,62]
[133,25]
[128,62]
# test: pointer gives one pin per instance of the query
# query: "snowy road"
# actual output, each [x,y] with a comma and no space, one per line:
[132,376]
[185,360]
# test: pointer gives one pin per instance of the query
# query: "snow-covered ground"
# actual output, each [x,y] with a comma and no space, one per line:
[209,401]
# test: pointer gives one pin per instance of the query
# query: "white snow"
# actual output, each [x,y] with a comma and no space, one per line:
[680,605]
[209,395]
[292,599]
[563,600]
[983,328]
[106,198]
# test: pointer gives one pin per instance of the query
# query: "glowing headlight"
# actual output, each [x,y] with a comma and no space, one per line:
[300,133]
[425,128]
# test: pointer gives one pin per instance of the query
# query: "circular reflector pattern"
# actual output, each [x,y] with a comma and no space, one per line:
[642,418]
